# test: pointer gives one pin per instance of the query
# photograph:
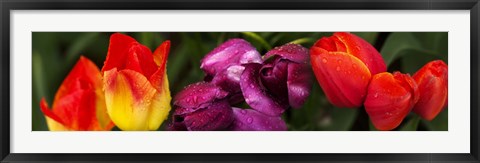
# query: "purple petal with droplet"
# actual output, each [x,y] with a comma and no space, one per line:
[217,116]
[198,95]
[292,52]
[255,94]
[299,83]
[252,120]
[229,79]
[231,52]
[274,78]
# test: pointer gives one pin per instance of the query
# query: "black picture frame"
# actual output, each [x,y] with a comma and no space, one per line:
[9,5]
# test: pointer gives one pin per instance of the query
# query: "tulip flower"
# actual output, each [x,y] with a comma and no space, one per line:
[286,73]
[432,80]
[343,65]
[204,107]
[269,86]
[223,65]
[283,80]
[136,85]
[390,98]
[201,106]
[79,103]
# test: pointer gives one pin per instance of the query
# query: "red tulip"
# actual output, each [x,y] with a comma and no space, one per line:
[390,98]
[136,84]
[343,65]
[79,103]
[432,80]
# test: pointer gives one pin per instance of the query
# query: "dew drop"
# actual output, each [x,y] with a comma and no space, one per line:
[339,61]
[324,60]
[376,95]
[243,111]
[338,68]
[249,120]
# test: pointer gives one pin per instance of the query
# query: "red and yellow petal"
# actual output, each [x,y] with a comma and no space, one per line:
[343,77]
[362,50]
[124,52]
[79,103]
[132,102]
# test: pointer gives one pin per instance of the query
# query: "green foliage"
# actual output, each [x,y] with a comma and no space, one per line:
[55,53]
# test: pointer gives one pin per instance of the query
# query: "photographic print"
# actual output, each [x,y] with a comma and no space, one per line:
[240,81]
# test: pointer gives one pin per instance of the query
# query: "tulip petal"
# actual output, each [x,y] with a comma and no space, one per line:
[124,52]
[274,78]
[84,75]
[198,95]
[217,116]
[117,51]
[388,101]
[160,57]
[299,83]
[343,77]
[160,106]
[432,82]
[160,54]
[53,121]
[363,51]
[256,95]
[291,52]
[229,79]
[130,99]
[252,120]
[231,52]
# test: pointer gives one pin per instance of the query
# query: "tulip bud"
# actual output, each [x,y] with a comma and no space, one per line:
[432,80]
[343,65]
[79,103]
[390,98]
[136,84]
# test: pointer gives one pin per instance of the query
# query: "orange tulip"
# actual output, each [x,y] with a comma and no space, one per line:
[79,103]
[390,98]
[432,80]
[343,65]
[136,84]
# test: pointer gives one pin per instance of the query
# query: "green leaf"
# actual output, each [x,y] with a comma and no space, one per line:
[440,123]
[399,43]
[258,38]
[302,40]
[411,125]
[79,45]
[370,37]
[340,119]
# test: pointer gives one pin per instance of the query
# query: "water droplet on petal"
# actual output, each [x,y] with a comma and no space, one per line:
[338,68]
[249,119]
[324,60]
[243,111]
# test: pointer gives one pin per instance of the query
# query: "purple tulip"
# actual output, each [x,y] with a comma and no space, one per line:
[235,72]
[223,65]
[284,79]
